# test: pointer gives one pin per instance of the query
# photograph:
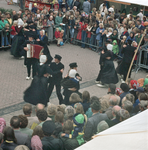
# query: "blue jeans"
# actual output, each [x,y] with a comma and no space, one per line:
[83,39]
[92,40]
[72,32]
[3,41]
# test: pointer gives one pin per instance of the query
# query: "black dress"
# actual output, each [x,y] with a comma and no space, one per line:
[37,92]
[107,73]
[126,61]
[68,83]
[18,40]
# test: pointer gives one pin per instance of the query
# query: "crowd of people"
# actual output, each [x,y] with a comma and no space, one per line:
[66,127]
[78,117]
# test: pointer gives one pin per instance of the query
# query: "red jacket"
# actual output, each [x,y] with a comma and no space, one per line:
[57,34]
[13,32]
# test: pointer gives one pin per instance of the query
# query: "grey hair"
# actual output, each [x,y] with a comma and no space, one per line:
[128,105]
[113,102]
[43,32]
[130,97]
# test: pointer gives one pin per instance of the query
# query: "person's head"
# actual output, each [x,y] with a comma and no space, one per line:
[48,127]
[13,12]
[9,134]
[72,73]
[42,115]
[138,22]
[143,105]
[69,112]
[125,29]
[7,26]
[38,131]
[143,96]
[133,84]
[112,88]
[115,32]
[58,130]
[127,105]
[27,109]
[61,108]
[75,98]
[59,117]
[57,58]
[79,108]
[102,126]
[23,121]
[130,97]
[8,15]
[15,122]
[60,14]
[95,106]
[36,143]
[2,17]
[39,107]
[35,4]
[146,38]
[124,37]
[124,87]
[68,126]
[51,110]
[113,101]
[118,91]
[42,59]
[101,25]
[42,32]
[123,114]
[85,96]
[22,147]
[115,110]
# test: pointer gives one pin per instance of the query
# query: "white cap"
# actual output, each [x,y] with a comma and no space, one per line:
[72,73]
[20,23]
[43,59]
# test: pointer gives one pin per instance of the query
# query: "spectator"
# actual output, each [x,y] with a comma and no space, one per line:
[74,98]
[86,6]
[38,131]
[48,141]
[69,143]
[50,24]
[42,116]
[36,143]
[21,147]
[21,138]
[59,117]
[127,105]
[69,113]
[27,110]
[51,111]
[23,125]
[124,114]
[91,126]
[10,141]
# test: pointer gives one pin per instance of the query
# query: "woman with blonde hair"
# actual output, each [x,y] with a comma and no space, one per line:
[21,147]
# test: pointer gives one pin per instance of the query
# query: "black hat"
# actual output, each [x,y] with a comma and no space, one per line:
[72,65]
[124,87]
[48,127]
[58,57]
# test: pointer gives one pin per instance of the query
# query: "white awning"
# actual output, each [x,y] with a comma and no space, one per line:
[137,2]
[131,134]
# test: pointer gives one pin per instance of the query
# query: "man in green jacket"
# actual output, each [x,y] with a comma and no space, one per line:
[3,22]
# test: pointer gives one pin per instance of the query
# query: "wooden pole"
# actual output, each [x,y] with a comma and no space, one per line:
[135,55]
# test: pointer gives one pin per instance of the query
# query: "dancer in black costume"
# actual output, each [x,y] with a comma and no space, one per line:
[37,92]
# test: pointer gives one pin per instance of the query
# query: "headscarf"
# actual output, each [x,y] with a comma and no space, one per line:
[134,84]
[118,91]
[36,143]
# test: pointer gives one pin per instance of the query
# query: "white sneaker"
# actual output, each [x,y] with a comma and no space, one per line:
[22,57]
[101,85]
[97,82]
[27,78]
[122,81]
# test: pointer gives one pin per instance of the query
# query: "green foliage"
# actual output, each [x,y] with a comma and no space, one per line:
[5,10]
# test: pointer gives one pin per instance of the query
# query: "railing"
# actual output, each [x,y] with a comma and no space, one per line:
[142,59]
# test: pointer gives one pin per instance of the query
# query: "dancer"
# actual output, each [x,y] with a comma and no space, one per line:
[56,79]
[107,73]
[37,92]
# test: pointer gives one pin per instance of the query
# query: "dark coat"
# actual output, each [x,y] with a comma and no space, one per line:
[56,79]
[22,138]
[8,146]
[46,51]
[92,123]
[69,144]
[50,143]
[126,61]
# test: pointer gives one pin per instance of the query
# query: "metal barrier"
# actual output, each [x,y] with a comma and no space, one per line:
[3,38]
[142,59]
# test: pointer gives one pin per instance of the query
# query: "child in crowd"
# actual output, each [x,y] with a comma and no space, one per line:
[60,39]
[76,29]
[6,31]
[89,27]
[71,27]
[57,34]
[84,28]
[115,49]
[13,31]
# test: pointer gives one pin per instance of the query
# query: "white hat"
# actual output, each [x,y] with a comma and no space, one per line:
[43,59]
[20,23]
[72,73]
